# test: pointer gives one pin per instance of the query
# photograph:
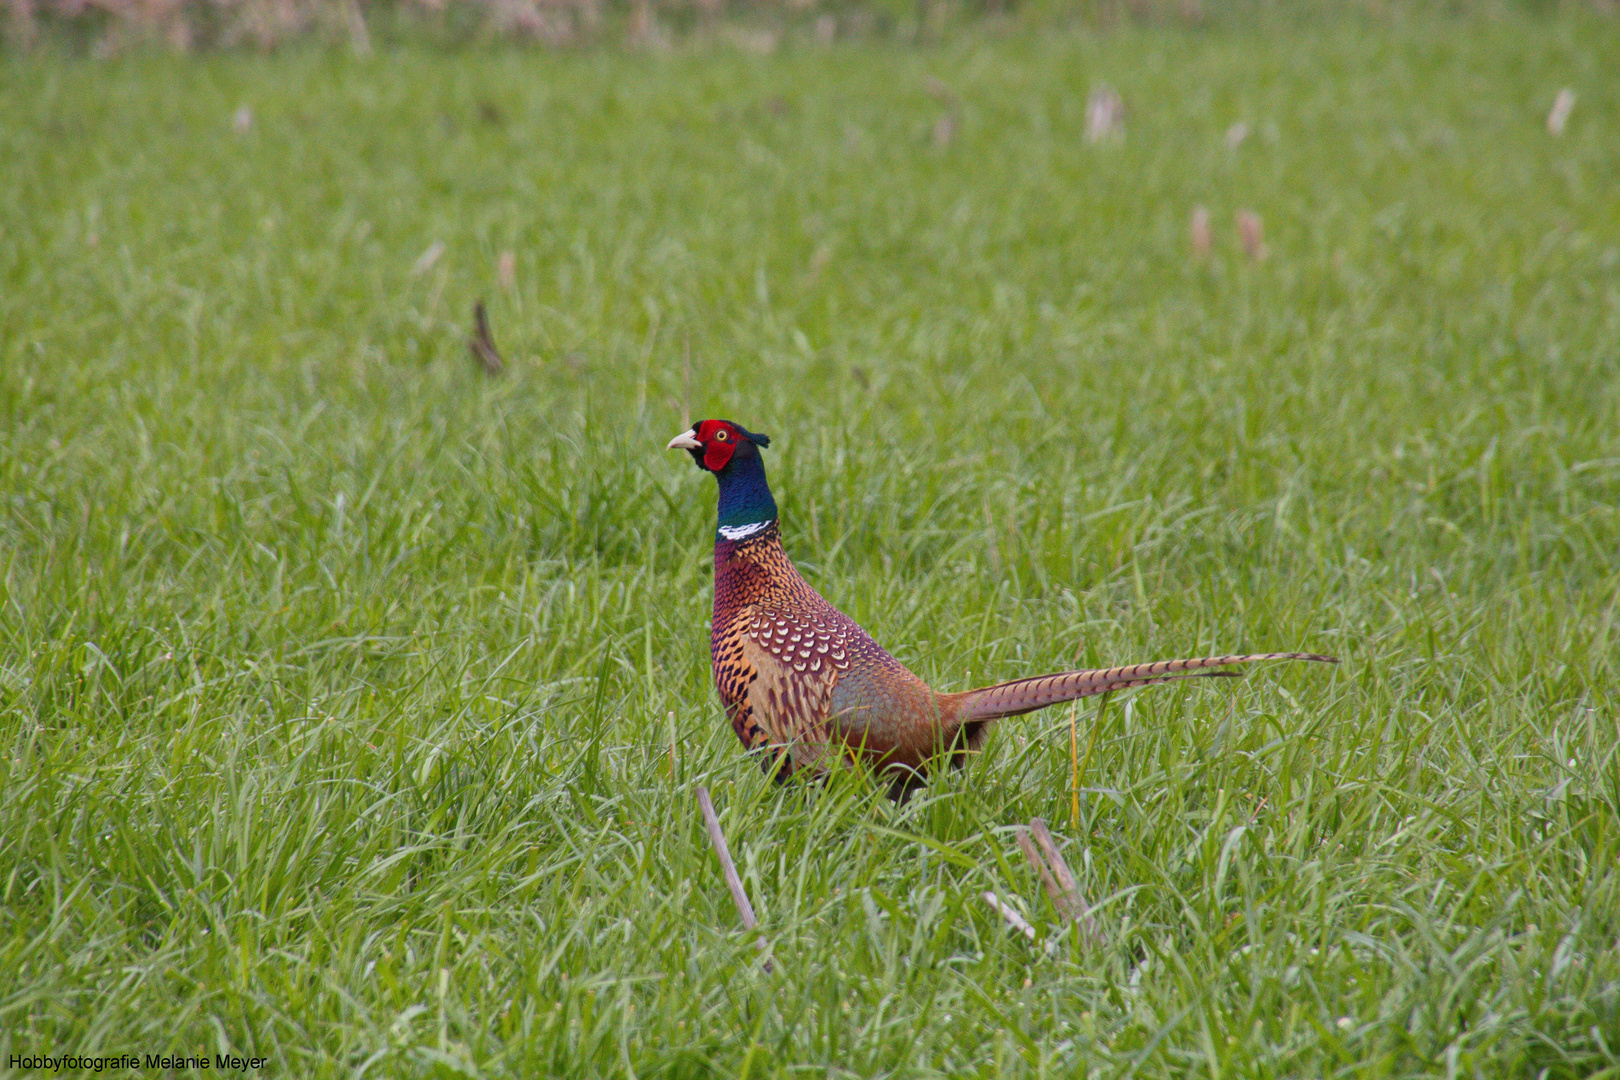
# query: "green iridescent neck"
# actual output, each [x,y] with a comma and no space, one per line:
[745,497]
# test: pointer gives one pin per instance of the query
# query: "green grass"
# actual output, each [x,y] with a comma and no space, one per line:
[339,683]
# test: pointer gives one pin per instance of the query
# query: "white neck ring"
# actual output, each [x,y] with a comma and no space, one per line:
[739,532]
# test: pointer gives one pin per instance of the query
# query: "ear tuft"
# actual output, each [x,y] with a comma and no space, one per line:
[759,440]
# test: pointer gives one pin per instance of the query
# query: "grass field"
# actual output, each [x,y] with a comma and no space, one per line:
[340,683]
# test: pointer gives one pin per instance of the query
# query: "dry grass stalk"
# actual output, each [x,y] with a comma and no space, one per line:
[1563,104]
[482,344]
[818,262]
[1105,115]
[944,130]
[506,271]
[669,719]
[21,28]
[1251,232]
[1236,134]
[1014,920]
[359,35]
[1199,232]
[1033,857]
[1073,906]
[642,29]
[729,869]
[425,261]
[242,120]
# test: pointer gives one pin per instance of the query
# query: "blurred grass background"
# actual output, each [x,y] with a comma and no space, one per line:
[107,27]
[340,681]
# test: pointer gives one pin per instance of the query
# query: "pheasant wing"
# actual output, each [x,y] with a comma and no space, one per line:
[796,657]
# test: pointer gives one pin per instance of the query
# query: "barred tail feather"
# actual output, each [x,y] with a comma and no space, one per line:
[1026,695]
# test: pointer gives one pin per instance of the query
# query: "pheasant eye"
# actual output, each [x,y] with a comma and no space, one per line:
[721,435]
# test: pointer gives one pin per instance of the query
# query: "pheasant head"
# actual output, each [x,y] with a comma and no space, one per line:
[731,452]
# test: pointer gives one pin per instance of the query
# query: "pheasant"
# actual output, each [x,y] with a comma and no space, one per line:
[807,687]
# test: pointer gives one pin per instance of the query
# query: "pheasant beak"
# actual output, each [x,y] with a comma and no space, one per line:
[684,441]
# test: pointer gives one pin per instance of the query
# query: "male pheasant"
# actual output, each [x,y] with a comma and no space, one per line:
[805,685]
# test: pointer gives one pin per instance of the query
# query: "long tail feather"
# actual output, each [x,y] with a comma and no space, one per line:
[1027,695]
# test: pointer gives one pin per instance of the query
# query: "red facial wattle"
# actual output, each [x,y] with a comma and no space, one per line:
[719,443]
[717,455]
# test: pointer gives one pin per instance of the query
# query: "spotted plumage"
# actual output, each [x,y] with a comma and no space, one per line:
[805,686]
